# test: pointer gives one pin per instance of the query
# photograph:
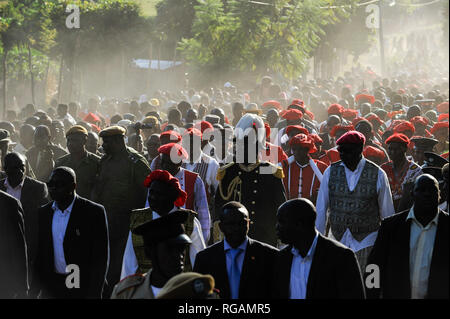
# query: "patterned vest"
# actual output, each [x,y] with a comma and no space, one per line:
[141,216]
[357,210]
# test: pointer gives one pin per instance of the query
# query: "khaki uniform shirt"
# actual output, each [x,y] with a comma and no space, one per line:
[86,171]
[134,287]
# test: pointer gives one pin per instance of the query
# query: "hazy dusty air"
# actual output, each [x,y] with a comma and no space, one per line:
[229,149]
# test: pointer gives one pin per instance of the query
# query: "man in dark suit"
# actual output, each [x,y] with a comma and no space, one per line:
[312,266]
[240,265]
[13,257]
[412,248]
[72,231]
[31,193]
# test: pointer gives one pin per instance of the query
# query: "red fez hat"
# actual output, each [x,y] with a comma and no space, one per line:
[193,131]
[352,137]
[267,127]
[272,103]
[316,138]
[203,125]
[96,128]
[166,177]
[356,120]
[298,102]
[335,109]
[304,141]
[292,115]
[173,135]
[179,150]
[419,120]
[374,118]
[398,138]
[91,118]
[299,128]
[365,98]
[443,117]
[310,114]
[439,126]
[394,113]
[403,127]
[442,107]
[370,151]
[349,114]
[337,128]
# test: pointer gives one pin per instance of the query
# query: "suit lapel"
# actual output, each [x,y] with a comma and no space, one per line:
[73,228]
[2,185]
[315,270]
[24,194]
[401,257]
[249,259]
[221,267]
[284,272]
[440,253]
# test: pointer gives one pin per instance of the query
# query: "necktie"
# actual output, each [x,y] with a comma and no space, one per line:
[235,275]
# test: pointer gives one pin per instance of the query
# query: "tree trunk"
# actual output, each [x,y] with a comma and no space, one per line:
[61,65]
[5,54]
[46,80]
[30,66]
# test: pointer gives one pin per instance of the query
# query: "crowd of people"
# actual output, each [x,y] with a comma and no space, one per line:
[282,191]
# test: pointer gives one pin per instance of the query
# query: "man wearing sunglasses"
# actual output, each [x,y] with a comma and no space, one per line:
[353,198]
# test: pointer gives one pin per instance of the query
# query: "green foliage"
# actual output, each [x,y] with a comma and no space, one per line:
[247,37]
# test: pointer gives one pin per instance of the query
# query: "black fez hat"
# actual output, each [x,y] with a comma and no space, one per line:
[434,160]
[424,142]
[166,228]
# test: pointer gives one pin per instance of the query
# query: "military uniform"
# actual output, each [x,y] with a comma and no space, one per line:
[143,215]
[120,188]
[259,192]
[134,287]
[86,171]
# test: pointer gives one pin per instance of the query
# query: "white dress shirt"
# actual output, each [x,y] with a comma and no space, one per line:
[15,192]
[384,202]
[59,226]
[130,264]
[300,269]
[421,244]
[211,173]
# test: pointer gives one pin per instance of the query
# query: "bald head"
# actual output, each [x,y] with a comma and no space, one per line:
[299,210]
[67,173]
[233,208]
[426,195]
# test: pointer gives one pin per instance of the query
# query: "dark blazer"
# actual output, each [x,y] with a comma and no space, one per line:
[391,254]
[256,269]
[13,258]
[86,244]
[34,195]
[334,273]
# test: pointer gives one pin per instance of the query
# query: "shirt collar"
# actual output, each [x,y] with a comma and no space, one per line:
[243,246]
[311,249]
[412,216]
[68,209]
[7,185]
